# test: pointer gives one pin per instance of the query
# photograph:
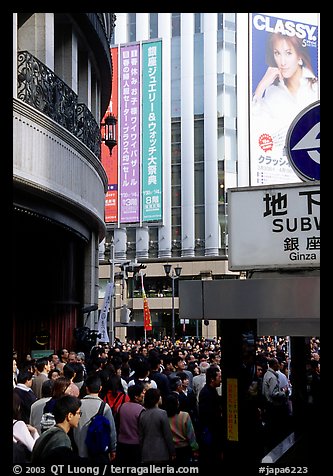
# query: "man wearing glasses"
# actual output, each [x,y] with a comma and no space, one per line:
[54,445]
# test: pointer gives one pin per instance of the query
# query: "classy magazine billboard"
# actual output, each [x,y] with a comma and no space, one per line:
[284,73]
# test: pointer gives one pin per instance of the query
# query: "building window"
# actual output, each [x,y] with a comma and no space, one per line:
[221,181]
[220,21]
[132,26]
[153,242]
[131,243]
[230,21]
[175,24]
[153,27]
[223,223]
[197,23]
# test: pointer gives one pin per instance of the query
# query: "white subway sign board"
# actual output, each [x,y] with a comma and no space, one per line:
[274,227]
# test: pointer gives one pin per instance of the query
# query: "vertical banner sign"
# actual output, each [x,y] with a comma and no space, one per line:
[110,163]
[232,409]
[130,133]
[152,131]
[147,323]
[284,81]
[102,320]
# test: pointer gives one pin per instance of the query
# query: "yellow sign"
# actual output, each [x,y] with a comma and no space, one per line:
[232,409]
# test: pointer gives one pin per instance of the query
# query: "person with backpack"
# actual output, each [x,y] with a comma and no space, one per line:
[59,388]
[95,438]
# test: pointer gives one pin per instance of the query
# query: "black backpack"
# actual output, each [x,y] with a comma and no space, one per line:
[98,439]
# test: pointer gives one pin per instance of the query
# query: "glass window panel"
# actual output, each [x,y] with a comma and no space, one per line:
[200,222]
[176,24]
[221,181]
[132,26]
[153,17]
[197,22]
[176,196]
[199,187]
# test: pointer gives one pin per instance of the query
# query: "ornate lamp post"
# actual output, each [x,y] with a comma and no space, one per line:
[108,131]
[174,275]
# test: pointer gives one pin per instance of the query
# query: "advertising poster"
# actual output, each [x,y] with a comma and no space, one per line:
[130,146]
[110,163]
[152,131]
[284,72]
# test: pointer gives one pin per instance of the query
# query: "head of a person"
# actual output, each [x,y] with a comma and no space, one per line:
[54,358]
[60,386]
[93,383]
[287,53]
[80,357]
[179,363]
[67,408]
[184,378]
[71,357]
[25,377]
[136,392]
[203,366]
[69,371]
[176,384]
[43,364]
[259,370]
[274,364]
[213,376]
[152,397]
[64,355]
[47,388]
[172,404]
[54,374]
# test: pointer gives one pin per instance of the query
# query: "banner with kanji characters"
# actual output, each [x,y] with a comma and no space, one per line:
[147,322]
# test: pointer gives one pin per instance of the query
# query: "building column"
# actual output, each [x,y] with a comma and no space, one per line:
[120,238]
[142,26]
[164,232]
[91,273]
[84,90]
[38,35]
[14,55]
[66,57]
[187,134]
[210,135]
[142,242]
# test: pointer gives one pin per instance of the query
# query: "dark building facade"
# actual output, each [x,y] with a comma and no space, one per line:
[62,76]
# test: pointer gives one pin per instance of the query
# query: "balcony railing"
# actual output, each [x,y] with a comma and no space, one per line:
[40,87]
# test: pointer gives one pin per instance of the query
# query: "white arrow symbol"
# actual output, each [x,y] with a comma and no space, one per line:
[311,143]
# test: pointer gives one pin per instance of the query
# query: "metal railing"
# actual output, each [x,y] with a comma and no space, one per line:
[41,88]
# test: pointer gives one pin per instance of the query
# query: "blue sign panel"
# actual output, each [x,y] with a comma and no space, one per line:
[303,143]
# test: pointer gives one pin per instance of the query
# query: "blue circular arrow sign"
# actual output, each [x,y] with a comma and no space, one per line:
[303,143]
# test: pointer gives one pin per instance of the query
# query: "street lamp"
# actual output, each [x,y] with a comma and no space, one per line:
[108,131]
[174,275]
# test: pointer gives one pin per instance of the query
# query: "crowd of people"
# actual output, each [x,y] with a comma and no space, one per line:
[163,401]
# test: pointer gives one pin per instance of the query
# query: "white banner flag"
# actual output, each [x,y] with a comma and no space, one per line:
[102,320]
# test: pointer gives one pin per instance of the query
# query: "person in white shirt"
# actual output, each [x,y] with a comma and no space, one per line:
[289,83]
[22,432]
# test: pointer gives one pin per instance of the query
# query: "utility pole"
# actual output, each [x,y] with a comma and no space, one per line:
[113,292]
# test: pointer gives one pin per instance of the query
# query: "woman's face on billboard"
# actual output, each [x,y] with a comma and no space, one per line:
[286,58]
